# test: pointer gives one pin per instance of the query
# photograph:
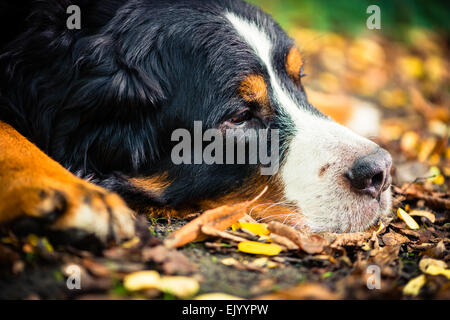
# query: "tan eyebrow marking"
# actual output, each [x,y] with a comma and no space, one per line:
[254,89]
[294,63]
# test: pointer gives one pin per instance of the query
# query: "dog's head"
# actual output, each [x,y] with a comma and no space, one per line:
[158,73]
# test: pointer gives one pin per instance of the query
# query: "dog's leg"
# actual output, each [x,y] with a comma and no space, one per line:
[39,191]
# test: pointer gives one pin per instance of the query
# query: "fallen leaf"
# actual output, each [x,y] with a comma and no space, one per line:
[393,238]
[283,241]
[310,243]
[434,267]
[423,213]
[141,280]
[410,222]
[313,244]
[232,262]
[229,261]
[216,296]
[305,291]
[414,285]
[131,243]
[256,228]
[181,287]
[350,239]
[254,247]
[170,261]
[436,251]
[210,231]
[98,269]
[381,227]
[220,218]
[265,262]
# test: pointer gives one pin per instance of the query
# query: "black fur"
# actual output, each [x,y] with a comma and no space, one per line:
[104,100]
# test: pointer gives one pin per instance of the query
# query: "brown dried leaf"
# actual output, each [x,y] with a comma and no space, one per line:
[283,241]
[306,291]
[220,218]
[210,231]
[386,255]
[172,261]
[310,243]
[436,251]
[351,239]
[393,238]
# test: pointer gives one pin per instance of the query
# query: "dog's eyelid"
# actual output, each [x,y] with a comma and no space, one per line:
[241,116]
[302,74]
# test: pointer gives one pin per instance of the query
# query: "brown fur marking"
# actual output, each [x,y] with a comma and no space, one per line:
[294,63]
[34,185]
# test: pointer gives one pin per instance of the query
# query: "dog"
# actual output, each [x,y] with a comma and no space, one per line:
[87,119]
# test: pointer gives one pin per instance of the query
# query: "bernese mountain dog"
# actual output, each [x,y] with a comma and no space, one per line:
[88,115]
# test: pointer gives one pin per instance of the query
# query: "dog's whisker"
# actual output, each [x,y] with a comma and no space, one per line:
[272,216]
[284,221]
[271,204]
[277,216]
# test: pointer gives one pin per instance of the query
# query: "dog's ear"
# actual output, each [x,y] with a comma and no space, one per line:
[105,77]
[113,85]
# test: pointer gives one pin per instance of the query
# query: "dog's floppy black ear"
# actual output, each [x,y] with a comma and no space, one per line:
[120,87]
[106,77]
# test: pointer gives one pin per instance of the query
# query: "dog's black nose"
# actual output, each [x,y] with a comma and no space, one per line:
[370,174]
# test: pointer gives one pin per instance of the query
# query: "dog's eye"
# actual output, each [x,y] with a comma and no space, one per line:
[241,117]
[302,74]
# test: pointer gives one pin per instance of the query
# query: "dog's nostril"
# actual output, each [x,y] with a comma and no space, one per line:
[370,174]
[377,179]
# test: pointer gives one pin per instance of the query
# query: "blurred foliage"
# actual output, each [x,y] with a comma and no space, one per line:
[349,16]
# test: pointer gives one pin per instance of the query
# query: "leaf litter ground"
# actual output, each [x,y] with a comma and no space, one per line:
[408,84]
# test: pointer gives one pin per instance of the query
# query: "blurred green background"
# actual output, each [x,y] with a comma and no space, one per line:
[349,16]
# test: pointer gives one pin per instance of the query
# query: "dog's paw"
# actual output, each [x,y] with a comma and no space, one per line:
[74,211]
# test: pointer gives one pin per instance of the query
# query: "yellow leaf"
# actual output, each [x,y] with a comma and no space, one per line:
[381,227]
[229,261]
[447,171]
[216,296]
[414,285]
[33,240]
[434,271]
[423,213]
[264,238]
[260,262]
[411,66]
[426,147]
[409,141]
[254,247]
[140,280]
[393,99]
[182,287]
[272,264]
[434,159]
[410,222]
[47,244]
[130,243]
[434,267]
[256,228]
[439,179]
[265,262]
[438,127]
[435,175]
